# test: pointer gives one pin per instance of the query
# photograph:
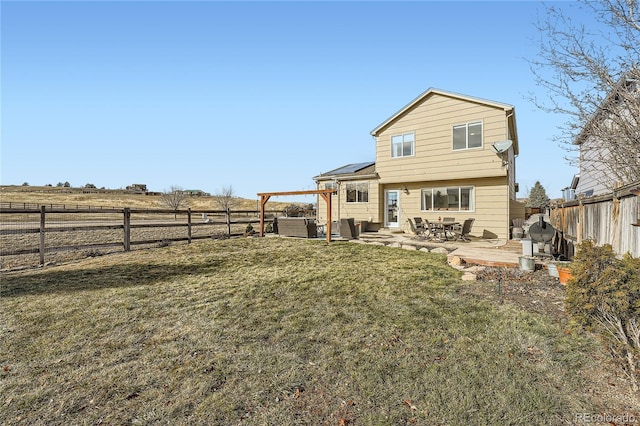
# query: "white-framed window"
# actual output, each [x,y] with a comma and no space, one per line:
[402,145]
[456,198]
[468,135]
[357,192]
[331,185]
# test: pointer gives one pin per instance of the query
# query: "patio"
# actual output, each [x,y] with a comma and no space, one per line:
[478,251]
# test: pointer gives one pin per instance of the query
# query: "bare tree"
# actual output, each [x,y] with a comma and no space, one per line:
[225,199]
[591,75]
[174,198]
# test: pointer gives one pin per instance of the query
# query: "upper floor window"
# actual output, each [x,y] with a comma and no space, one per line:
[467,135]
[402,145]
[357,192]
[448,199]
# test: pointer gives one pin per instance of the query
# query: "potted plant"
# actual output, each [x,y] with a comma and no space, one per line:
[564,272]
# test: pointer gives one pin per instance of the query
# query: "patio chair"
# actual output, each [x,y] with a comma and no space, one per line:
[434,231]
[517,231]
[466,229]
[518,222]
[421,228]
[348,228]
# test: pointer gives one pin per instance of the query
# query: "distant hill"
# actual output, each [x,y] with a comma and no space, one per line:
[116,198]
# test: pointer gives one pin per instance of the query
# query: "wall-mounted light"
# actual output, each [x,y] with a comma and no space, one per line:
[406,190]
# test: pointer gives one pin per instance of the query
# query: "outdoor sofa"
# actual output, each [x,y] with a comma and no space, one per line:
[297,227]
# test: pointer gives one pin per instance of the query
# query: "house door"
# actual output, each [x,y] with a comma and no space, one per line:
[392,209]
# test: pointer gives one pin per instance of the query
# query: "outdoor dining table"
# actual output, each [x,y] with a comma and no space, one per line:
[444,227]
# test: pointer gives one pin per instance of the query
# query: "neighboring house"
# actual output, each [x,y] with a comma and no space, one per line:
[569,193]
[195,192]
[609,154]
[603,201]
[443,154]
[137,187]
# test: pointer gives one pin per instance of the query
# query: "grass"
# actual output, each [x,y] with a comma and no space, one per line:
[276,331]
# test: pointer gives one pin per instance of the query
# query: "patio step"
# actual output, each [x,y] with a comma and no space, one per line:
[513,246]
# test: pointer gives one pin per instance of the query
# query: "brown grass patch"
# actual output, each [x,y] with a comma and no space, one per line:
[277,331]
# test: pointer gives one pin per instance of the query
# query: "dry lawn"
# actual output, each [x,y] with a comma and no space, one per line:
[279,331]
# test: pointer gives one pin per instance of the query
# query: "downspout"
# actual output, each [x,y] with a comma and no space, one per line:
[506,125]
[338,198]
[509,171]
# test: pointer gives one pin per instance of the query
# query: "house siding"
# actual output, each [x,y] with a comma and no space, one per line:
[492,218]
[434,158]
[592,179]
[341,209]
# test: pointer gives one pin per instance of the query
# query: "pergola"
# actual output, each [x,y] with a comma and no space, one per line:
[324,193]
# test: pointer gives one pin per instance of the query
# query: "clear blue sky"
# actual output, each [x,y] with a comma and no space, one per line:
[260,96]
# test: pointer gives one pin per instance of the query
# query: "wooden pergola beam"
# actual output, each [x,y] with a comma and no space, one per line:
[324,193]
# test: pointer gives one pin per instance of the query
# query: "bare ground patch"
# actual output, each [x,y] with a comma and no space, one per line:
[540,293]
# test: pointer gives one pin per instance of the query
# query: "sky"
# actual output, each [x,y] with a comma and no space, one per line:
[257,96]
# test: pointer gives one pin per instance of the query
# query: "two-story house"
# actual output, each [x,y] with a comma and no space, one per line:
[442,155]
[609,142]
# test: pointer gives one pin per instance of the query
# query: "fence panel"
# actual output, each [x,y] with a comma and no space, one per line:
[32,236]
[606,220]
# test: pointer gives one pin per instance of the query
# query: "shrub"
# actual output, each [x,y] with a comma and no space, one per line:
[604,297]
[249,230]
[293,210]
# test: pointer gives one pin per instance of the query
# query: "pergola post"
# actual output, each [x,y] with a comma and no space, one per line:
[327,199]
[263,201]
[324,193]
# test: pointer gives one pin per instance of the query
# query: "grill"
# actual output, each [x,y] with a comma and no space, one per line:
[541,234]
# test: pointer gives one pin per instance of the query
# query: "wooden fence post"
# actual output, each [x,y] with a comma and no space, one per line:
[42,225]
[229,222]
[189,225]
[127,229]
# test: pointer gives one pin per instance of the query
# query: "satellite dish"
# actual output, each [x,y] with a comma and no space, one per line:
[502,147]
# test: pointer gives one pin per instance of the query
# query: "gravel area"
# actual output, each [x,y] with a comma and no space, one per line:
[535,291]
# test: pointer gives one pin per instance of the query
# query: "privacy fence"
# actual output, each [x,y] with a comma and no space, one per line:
[609,219]
[31,235]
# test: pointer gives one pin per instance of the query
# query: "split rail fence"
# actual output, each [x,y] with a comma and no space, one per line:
[31,236]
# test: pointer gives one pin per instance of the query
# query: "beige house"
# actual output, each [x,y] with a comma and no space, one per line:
[442,155]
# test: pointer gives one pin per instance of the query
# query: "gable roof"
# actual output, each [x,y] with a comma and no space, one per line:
[433,91]
[627,83]
[350,170]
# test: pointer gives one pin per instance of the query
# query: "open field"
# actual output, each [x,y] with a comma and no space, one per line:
[43,195]
[281,331]
[99,230]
